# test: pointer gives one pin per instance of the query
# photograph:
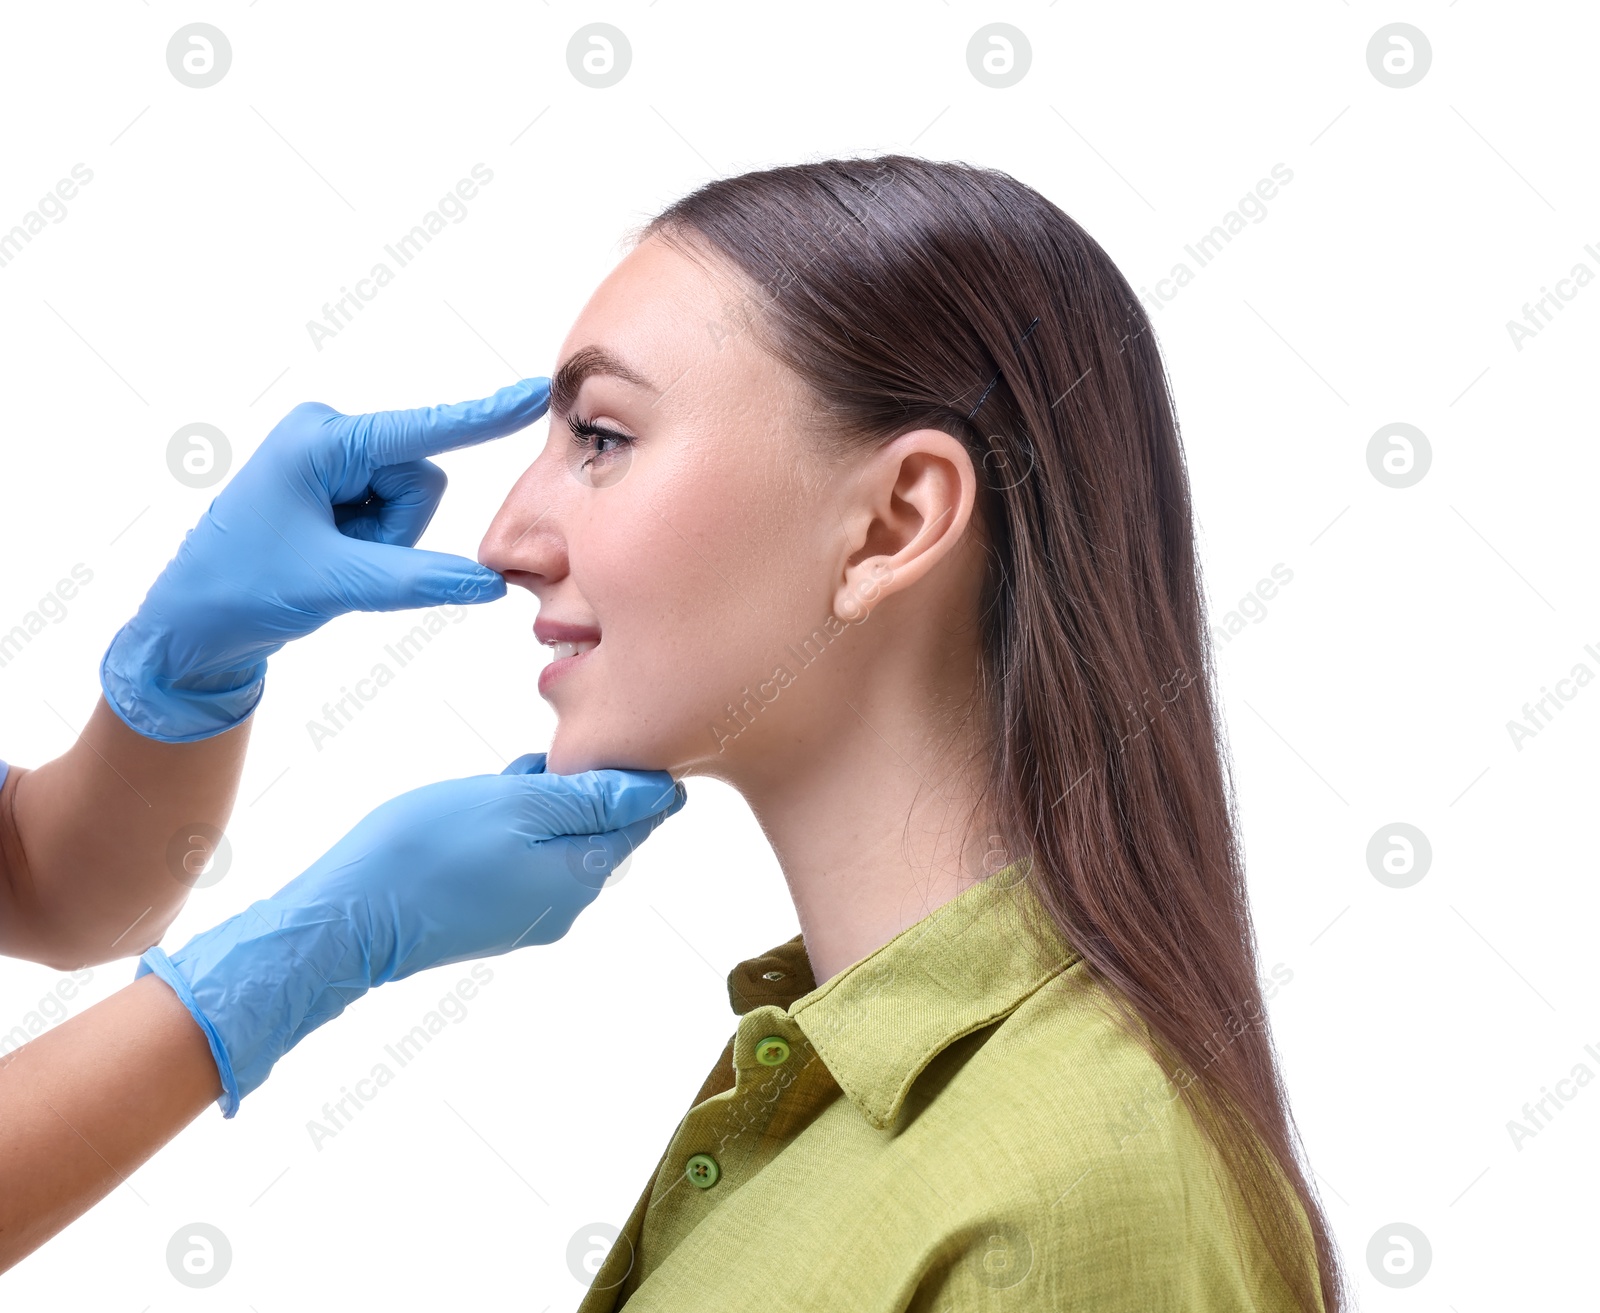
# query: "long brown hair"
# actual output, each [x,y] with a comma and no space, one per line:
[913,294]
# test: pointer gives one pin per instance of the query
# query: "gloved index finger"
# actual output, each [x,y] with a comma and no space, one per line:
[392,437]
[598,801]
[626,796]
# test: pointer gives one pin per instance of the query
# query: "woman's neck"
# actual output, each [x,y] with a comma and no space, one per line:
[876,832]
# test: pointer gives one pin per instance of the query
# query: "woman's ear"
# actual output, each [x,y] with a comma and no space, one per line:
[910,507]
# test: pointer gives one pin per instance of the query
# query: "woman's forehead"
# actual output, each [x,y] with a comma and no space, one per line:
[670,325]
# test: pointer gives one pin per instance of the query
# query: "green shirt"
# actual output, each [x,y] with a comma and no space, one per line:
[955,1122]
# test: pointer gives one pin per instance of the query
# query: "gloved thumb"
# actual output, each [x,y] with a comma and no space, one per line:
[386,577]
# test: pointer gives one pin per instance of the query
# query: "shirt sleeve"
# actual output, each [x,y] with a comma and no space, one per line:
[4,771]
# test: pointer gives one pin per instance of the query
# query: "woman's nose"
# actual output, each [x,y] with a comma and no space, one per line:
[524,536]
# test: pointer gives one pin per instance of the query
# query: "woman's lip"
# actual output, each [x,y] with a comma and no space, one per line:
[556,669]
[559,631]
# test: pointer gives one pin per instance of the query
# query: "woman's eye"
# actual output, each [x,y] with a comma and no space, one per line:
[599,439]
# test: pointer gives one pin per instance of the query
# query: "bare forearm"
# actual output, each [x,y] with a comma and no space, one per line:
[85,1104]
[92,844]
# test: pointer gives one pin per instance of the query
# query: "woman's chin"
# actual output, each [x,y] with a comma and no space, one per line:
[572,753]
[567,757]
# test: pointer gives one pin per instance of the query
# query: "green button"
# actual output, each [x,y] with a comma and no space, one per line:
[702,1170]
[772,1051]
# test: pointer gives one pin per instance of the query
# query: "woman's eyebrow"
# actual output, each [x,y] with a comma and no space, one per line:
[580,365]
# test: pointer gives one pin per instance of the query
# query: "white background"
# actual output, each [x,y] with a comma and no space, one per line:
[1377,688]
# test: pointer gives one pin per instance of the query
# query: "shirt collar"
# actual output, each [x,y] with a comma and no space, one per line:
[880,1022]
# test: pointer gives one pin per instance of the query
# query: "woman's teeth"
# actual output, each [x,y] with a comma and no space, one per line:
[561,650]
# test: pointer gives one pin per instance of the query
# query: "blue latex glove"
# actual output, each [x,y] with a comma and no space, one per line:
[319,521]
[461,869]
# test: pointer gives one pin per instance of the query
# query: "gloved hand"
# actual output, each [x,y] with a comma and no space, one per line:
[319,521]
[461,869]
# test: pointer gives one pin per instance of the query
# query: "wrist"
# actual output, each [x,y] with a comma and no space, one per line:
[155,696]
[259,983]
[156,962]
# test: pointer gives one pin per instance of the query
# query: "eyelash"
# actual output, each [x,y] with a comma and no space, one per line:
[583,431]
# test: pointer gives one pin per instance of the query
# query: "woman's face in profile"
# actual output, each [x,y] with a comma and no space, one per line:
[693,533]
